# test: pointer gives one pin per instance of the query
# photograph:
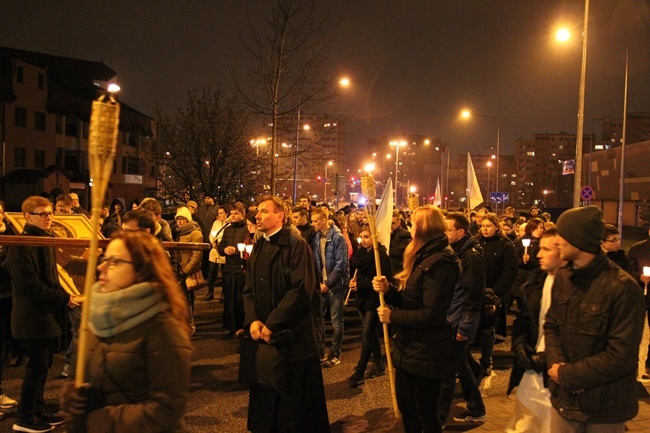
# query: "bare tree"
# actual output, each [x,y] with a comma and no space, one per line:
[288,48]
[203,149]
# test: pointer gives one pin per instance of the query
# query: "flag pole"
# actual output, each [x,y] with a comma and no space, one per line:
[369,190]
[104,122]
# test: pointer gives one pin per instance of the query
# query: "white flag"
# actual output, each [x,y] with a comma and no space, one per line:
[437,199]
[384,215]
[474,196]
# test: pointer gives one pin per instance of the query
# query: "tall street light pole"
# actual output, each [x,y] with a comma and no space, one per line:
[329,164]
[622,185]
[563,35]
[295,154]
[397,145]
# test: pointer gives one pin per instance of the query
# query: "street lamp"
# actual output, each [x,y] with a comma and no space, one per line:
[466,114]
[397,145]
[329,164]
[489,166]
[563,35]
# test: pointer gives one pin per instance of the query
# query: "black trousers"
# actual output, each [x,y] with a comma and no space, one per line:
[40,353]
[417,400]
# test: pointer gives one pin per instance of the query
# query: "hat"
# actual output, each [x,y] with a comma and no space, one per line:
[184,212]
[74,196]
[193,204]
[582,227]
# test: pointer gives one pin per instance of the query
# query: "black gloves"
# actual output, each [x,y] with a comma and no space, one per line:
[527,358]
[74,402]
[523,355]
[539,362]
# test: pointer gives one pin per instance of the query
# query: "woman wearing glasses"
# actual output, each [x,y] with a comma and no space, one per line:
[139,353]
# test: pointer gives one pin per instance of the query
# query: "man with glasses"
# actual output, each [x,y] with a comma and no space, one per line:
[611,245]
[39,317]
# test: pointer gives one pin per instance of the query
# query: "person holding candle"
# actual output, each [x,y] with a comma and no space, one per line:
[639,268]
[526,249]
[234,271]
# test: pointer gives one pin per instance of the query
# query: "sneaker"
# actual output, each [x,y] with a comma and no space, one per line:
[7,402]
[332,361]
[208,297]
[375,371]
[466,417]
[325,355]
[66,370]
[32,425]
[357,378]
[51,419]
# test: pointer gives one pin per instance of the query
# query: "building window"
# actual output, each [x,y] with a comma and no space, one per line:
[71,126]
[130,165]
[20,117]
[39,121]
[19,74]
[59,124]
[39,158]
[20,157]
[41,80]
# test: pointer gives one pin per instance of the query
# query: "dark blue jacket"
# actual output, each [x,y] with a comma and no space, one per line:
[337,266]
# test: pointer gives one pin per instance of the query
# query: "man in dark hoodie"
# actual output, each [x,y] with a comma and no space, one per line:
[464,315]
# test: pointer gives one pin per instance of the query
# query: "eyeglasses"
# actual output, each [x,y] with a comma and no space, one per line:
[42,214]
[613,240]
[112,262]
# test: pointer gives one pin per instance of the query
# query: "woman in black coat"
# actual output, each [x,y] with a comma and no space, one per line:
[423,337]
[500,274]
[362,265]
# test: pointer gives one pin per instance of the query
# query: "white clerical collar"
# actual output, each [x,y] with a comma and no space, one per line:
[268,237]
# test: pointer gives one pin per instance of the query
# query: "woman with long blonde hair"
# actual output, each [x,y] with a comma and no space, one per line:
[423,337]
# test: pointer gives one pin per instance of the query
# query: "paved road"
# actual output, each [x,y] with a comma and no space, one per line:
[219,404]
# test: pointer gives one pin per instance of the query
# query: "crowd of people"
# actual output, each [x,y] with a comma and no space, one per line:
[449,279]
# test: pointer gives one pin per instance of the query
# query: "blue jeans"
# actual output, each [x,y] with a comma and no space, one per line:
[333,301]
[468,384]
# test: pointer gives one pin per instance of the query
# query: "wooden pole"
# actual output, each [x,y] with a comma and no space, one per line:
[369,190]
[104,122]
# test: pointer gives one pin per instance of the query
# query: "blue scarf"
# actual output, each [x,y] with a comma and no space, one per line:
[115,312]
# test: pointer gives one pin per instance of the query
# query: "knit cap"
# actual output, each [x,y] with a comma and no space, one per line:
[582,227]
[184,212]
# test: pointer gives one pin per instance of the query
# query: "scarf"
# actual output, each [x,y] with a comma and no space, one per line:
[188,228]
[115,312]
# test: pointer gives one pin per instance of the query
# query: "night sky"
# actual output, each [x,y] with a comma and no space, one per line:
[414,64]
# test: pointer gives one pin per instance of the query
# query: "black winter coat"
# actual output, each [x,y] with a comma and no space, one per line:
[594,325]
[39,302]
[235,233]
[423,336]
[363,262]
[294,291]
[500,264]
[525,329]
[639,257]
[399,240]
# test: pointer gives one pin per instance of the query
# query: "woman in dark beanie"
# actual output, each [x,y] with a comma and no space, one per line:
[527,256]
